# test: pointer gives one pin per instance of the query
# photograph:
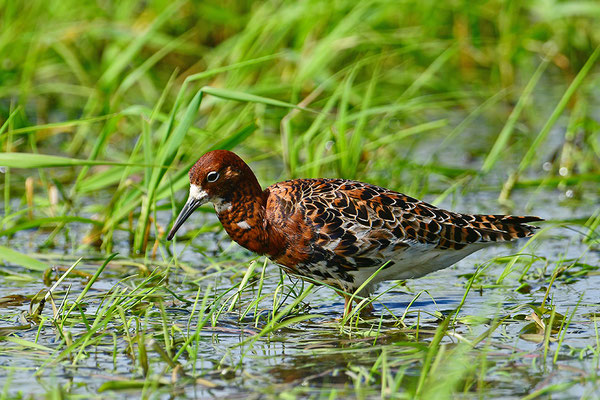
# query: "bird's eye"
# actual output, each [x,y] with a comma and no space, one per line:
[212,176]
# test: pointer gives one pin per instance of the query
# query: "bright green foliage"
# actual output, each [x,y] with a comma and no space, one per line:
[105,105]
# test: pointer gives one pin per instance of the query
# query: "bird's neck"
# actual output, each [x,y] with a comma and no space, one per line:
[244,220]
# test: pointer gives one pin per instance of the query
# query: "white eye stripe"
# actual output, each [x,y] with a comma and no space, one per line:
[212,176]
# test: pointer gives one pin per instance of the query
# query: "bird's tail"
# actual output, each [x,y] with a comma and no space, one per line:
[504,227]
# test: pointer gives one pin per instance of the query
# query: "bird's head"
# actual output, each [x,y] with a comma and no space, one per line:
[219,177]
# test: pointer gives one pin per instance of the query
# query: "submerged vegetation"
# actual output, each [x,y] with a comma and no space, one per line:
[476,106]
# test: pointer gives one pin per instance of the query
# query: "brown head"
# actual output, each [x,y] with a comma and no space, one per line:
[219,177]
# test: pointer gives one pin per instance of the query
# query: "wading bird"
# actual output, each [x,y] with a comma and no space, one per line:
[337,231]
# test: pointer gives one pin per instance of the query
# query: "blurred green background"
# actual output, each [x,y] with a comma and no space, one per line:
[425,97]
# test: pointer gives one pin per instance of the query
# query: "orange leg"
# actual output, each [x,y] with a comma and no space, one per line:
[347,305]
[368,309]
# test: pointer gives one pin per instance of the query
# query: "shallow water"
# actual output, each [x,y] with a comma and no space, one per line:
[309,357]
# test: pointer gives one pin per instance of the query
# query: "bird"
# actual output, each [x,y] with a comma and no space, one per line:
[340,232]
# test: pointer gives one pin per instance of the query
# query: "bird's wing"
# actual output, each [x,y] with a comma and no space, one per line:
[354,224]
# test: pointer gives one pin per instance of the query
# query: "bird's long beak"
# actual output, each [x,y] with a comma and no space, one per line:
[196,199]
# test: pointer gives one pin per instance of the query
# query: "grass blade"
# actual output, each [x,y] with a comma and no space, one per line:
[14,257]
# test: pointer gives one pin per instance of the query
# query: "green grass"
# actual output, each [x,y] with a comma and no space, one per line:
[105,106]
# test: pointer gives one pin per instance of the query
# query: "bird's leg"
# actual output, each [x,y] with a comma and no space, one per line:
[367,309]
[347,305]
